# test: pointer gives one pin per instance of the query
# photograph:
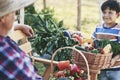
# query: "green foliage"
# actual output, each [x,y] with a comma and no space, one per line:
[114,45]
[30,9]
[101,43]
[40,67]
[48,34]
[115,48]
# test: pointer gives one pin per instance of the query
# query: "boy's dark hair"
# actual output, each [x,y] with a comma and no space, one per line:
[112,5]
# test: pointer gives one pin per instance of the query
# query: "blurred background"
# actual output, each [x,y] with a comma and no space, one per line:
[66,10]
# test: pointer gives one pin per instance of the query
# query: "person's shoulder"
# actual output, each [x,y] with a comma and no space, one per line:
[4,41]
[2,44]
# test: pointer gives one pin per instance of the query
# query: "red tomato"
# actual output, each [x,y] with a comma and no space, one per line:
[64,65]
[78,38]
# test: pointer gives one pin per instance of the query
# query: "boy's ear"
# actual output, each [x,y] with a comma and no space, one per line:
[118,14]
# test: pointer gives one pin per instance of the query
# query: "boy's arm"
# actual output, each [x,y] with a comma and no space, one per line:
[114,60]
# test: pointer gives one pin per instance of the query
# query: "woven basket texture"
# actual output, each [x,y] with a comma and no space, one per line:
[95,61]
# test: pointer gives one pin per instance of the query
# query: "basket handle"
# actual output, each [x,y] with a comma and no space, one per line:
[73,48]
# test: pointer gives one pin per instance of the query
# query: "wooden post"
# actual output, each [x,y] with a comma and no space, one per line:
[22,16]
[79,15]
[44,4]
[100,13]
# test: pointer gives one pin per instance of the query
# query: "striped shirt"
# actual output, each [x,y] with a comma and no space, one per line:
[14,63]
[112,33]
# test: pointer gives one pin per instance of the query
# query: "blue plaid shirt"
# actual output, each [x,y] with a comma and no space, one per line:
[14,63]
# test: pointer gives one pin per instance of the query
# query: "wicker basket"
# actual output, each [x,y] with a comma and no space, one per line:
[77,52]
[95,61]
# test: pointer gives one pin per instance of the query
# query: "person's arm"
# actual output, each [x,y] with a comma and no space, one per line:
[25,29]
[114,60]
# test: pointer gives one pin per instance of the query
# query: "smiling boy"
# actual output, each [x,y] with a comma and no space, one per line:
[110,29]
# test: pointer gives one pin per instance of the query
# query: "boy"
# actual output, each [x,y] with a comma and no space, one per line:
[109,30]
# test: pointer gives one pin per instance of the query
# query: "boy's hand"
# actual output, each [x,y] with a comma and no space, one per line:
[114,60]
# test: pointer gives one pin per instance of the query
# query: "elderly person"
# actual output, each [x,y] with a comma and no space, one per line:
[14,63]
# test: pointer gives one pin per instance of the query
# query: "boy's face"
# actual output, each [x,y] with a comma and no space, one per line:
[110,16]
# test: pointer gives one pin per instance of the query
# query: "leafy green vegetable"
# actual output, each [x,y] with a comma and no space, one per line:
[101,43]
[115,48]
[95,51]
[49,34]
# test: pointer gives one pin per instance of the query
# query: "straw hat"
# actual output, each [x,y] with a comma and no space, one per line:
[7,6]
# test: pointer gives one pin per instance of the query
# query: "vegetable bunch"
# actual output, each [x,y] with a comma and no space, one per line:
[71,71]
[97,46]
[49,34]
[115,48]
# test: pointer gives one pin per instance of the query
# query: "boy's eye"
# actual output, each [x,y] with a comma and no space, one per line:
[104,12]
[110,12]
[107,12]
